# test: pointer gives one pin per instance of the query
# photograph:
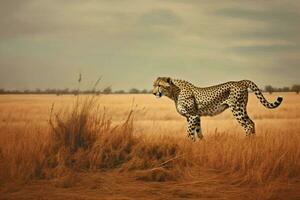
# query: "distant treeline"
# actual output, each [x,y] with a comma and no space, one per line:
[294,88]
[108,90]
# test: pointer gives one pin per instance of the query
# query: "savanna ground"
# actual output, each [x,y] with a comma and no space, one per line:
[135,147]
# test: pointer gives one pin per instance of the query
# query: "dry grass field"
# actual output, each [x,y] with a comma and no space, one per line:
[135,147]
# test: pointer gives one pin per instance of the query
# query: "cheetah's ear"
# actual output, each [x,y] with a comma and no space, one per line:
[169,80]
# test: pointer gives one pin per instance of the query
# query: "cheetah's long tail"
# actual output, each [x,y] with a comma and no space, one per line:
[261,97]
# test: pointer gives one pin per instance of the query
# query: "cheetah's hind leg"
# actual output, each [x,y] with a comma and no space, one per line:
[242,117]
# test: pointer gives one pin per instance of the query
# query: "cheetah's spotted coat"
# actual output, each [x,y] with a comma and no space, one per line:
[193,102]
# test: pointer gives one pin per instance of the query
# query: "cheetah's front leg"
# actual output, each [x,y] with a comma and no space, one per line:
[198,128]
[194,127]
[187,108]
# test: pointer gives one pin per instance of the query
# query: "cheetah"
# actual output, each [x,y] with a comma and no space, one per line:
[193,102]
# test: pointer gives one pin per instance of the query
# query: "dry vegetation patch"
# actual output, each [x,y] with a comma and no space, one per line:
[83,138]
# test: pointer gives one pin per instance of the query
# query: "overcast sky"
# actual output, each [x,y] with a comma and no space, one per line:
[47,43]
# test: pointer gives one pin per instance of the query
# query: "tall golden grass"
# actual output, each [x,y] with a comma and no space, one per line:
[84,138]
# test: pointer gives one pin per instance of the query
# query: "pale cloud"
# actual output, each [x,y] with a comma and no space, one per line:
[264,49]
[160,17]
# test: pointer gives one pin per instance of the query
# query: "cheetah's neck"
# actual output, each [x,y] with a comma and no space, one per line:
[182,84]
[179,85]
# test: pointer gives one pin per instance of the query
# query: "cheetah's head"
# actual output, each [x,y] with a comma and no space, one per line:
[162,86]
